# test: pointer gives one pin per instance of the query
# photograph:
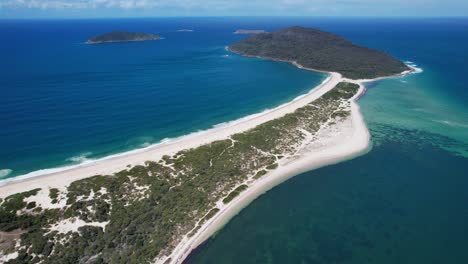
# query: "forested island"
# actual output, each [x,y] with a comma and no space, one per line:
[322,51]
[122,36]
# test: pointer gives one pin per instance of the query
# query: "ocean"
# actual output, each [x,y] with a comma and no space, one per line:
[64,102]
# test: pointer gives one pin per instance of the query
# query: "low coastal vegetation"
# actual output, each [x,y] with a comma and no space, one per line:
[140,214]
[235,193]
[320,50]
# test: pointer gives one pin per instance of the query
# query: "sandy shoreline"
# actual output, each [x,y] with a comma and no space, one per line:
[62,178]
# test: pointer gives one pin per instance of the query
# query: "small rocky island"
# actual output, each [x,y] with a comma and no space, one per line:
[319,50]
[122,36]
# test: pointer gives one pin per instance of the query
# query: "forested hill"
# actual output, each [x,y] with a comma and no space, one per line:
[122,36]
[320,50]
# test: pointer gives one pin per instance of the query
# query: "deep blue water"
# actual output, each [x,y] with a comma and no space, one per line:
[64,101]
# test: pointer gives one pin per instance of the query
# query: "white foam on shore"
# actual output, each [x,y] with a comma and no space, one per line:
[413,66]
[5,172]
[146,144]
[84,161]
[80,158]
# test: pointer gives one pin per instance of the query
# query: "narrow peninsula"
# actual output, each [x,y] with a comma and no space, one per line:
[157,204]
[122,36]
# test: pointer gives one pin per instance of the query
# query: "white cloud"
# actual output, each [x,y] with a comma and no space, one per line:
[60,4]
[124,4]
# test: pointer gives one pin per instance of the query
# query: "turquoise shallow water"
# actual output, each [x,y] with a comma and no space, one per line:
[404,201]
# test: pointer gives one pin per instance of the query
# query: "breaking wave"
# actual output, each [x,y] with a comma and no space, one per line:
[5,172]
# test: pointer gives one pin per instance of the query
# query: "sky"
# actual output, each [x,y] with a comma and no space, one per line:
[162,8]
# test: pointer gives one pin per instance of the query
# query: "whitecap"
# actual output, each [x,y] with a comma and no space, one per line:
[417,70]
[5,172]
[80,158]
[165,140]
[146,144]
[451,123]
[414,67]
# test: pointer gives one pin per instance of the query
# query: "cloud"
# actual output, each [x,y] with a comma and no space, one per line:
[124,4]
[80,4]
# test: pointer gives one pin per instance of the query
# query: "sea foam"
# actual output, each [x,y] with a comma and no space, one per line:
[5,172]
[82,159]
[414,66]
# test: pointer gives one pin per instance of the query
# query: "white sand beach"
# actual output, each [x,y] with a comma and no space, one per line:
[60,178]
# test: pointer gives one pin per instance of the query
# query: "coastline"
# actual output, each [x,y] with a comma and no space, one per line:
[63,176]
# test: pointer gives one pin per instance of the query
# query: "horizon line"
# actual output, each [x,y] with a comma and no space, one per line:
[232,16]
